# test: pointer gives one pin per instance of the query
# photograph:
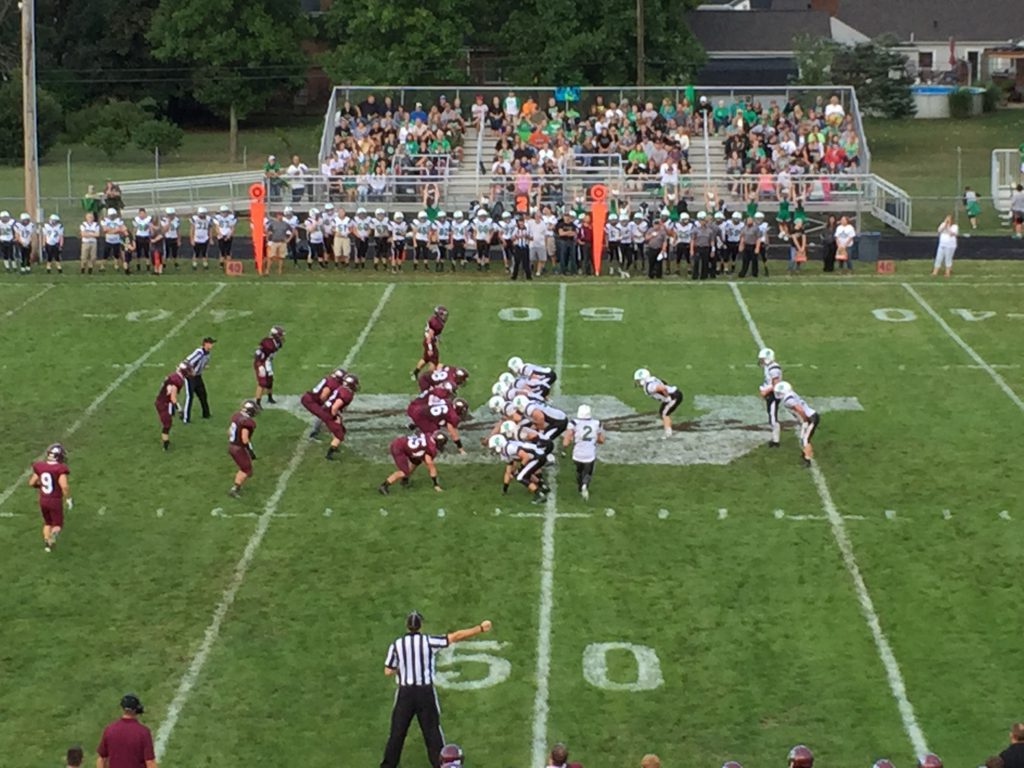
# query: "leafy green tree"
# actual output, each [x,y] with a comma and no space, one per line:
[151,135]
[239,52]
[107,138]
[814,57]
[49,120]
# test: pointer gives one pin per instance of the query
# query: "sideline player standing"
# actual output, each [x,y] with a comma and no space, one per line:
[240,443]
[194,384]
[585,433]
[807,418]
[668,395]
[262,363]
[53,243]
[127,743]
[410,659]
[50,476]
[167,400]
[772,376]
[432,340]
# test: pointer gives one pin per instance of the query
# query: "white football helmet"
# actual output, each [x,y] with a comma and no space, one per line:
[496,443]
[783,389]
[640,375]
[496,404]
[507,379]
[499,389]
[520,403]
[509,429]
[421,215]
[766,356]
[515,364]
[379,212]
[583,412]
[399,215]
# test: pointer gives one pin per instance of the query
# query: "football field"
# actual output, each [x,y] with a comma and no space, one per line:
[712,600]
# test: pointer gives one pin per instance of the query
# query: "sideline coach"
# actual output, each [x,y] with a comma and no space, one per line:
[194,385]
[411,659]
[126,743]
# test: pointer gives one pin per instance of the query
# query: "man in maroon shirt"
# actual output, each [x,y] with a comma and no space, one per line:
[263,365]
[51,478]
[432,339]
[408,452]
[240,443]
[166,402]
[126,743]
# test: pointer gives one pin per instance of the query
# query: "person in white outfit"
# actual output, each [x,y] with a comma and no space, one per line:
[948,232]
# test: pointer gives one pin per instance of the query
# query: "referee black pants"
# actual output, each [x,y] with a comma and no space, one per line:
[419,701]
[521,261]
[194,388]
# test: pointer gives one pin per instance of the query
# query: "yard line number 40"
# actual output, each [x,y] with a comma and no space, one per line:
[474,664]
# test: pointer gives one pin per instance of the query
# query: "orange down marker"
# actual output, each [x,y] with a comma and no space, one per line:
[598,217]
[257,214]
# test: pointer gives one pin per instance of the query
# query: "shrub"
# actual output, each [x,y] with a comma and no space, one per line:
[152,134]
[991,99]
[49,117]
[107,138]
[960,103]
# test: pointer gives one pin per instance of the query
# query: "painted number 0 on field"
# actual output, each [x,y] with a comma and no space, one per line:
[648,668]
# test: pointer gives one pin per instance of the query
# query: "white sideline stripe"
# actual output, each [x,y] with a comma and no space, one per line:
[29,300]
[220,611]
[128,371]
[867,605]
[991,371]
[547,573]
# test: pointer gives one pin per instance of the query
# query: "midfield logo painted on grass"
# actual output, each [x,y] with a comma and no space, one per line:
[729,427]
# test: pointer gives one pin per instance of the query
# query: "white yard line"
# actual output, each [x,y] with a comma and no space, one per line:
[867,605]
[990,370]
[547,573]
[116,383]
[227,598]
[29,300]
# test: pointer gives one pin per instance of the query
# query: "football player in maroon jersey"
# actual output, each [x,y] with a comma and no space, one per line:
[50,476]
[166,402]
[263,365]
[431,339]
[240,443]
[433,410]
[445,374]
[408,452]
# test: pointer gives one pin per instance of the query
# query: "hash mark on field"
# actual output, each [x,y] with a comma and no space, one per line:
[101,511]
[890,514]
[116,383]
[609,512]
[897,686]
[441,512]
[946,514]
[160,512]
[723,513]
[663,514]
[328,512]
[1004,515]
[220,611]
[383,512]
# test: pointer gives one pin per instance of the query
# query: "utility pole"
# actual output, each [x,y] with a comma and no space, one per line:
[640,43]
[28,106]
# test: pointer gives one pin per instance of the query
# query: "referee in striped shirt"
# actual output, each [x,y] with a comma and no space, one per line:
[194,386]
[411,659]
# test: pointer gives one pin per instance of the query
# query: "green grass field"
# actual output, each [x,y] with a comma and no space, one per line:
[713,600]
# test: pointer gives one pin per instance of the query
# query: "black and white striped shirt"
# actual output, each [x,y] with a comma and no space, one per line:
[412,655]
[198,360]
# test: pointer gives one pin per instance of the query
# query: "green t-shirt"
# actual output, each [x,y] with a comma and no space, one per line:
[721,113]
[431,212]
[751,207]
[637,155]
[784,210]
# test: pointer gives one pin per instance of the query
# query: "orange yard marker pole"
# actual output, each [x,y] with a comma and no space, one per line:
[257,213]
[598,217]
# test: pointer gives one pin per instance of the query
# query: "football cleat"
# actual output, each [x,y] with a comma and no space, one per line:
[461,406]
[783,389]
[509,429]
[641,375]
[497,442]
[249,407]
[351,381]
[56,452]
[495,404]
[515,364]
[520,403]
[583,412]
[766,356]
[440,440]
[800,756]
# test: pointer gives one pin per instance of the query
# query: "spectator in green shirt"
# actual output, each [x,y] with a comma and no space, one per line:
[720,116]
[272,177]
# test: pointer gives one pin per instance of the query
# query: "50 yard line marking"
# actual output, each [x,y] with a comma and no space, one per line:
[999,380]
[547,574]
[220,611]
[116,383]
[867,605]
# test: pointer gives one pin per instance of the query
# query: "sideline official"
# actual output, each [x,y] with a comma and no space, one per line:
[411,659]
[126,743]
[194,385]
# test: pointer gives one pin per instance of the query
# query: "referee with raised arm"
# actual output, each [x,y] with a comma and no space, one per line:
[411,659]
[194,385]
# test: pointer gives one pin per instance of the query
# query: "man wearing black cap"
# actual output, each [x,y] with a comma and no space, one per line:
[411,659]
[194,386]
[127,743]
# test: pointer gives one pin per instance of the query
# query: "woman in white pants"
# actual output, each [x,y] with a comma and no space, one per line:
[948,232]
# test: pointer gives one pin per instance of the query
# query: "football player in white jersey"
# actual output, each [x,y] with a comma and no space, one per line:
[549,421]
[24,230]
[224,224]
[585,433]
[668,395]
[524,461]
[114,232]
[807,418]
[540,376]
[460,233]
[7,241]
[772,376]
[506,227]
[399,230]
[53,242]
[481,229]
[441,237]
[143,226]
[170,225]
[199,237]
[314,239]
[421,230]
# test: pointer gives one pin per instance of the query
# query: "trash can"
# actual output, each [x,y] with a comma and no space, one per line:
[866,246]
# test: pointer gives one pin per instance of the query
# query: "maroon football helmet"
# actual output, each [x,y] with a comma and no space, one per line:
[442,312]
[931,760]
[451,755]
[800,756]
[883,763]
